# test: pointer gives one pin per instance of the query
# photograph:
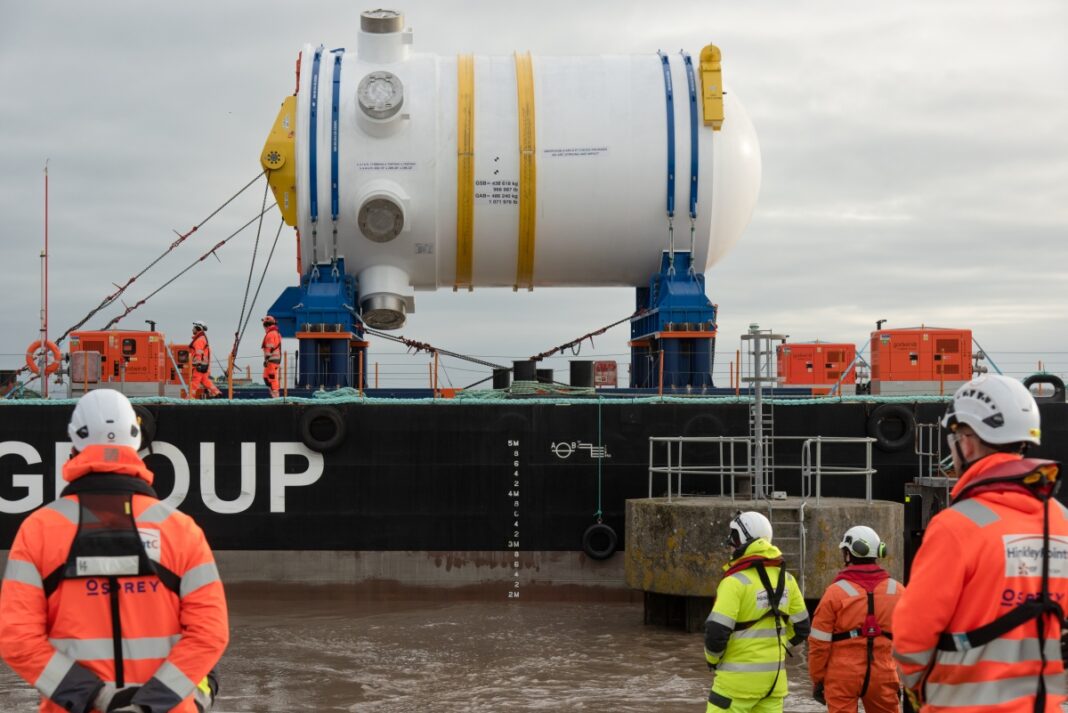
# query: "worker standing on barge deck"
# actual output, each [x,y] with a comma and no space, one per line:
[849,647]
[201,362]
[759,616]
[980,626]
[111,601]
[272,354]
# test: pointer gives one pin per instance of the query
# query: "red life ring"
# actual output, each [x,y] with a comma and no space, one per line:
[31,357]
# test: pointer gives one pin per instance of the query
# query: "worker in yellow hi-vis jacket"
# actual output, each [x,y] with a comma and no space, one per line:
[759,616]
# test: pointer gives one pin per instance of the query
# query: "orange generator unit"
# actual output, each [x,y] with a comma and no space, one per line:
[921,360]
[181,365]
[816,364]
[138,363]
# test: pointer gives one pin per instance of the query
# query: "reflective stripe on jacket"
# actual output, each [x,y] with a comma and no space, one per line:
[272,345]
[750,659]
[62,642]
[843,608]
[201,350]
[979,559]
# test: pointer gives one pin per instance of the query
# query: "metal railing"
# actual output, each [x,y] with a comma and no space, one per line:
[728,468]
[731,462]
[813,467]
[935,469]
[929,450]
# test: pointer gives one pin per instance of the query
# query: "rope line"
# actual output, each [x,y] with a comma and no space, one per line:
[252,266]
[190,267]
[263,274]
[430,348]
[600,446]
[578,342]
[110,299]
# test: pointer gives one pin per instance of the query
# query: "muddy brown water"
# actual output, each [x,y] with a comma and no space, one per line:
[302,648]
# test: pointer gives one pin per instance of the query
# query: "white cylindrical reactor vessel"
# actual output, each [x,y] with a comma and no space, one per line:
[426,171]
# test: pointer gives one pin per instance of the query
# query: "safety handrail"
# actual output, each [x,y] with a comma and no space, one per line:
[818,469]
[812,466]
[728,468]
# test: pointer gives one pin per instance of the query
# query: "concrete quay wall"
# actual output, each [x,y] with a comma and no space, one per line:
[678,547]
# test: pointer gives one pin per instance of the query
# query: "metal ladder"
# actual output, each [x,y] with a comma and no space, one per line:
[762,423]
[790,536]
[761,415]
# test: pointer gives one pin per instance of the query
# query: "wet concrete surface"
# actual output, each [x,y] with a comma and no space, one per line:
[302,648]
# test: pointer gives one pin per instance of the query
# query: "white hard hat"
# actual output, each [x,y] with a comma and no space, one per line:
[104,417]
[197,324]
[999,409]
[749,526]
[862,541]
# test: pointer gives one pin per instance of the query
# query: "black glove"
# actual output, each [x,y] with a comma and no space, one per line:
[817,693]
[202,368]
[122,701]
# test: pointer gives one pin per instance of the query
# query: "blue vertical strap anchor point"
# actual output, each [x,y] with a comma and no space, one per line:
[313,164]
[313,188]
[694,161]
[669,96]
[335,105]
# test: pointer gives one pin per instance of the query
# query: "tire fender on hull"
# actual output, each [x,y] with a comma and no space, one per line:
[1051,379]
[322,428]
[599,541]
[881,429]
[147,422]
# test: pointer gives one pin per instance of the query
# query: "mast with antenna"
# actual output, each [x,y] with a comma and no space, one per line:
[44,292]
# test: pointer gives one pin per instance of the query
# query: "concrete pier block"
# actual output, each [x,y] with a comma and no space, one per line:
[678,547]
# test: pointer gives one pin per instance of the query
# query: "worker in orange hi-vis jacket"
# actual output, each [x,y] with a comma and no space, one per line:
[979,628]
[272,354]
[111,601]
[201,362]
[849,645]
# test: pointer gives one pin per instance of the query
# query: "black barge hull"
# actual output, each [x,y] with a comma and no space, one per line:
[436,476]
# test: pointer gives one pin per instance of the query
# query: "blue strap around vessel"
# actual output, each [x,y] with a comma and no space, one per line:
[335,104]
[692,82]
[313,189]
[670,97]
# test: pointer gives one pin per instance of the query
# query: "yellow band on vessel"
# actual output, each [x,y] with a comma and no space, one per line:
[465,169]
[528,174]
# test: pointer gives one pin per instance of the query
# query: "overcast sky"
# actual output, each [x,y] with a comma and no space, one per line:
[915,165]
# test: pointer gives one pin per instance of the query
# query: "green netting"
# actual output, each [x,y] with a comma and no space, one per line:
[521,392]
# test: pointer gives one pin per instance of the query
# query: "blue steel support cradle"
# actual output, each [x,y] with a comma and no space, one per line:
[678,326]
[321,314]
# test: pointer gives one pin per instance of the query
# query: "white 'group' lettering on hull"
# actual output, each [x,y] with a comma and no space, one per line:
[248,480]
[33,483]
